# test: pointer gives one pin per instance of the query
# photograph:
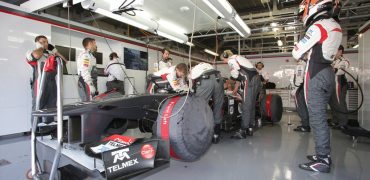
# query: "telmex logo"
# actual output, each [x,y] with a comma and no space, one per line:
[120,155]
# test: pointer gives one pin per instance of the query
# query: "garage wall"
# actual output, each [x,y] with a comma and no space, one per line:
[364,64]
[17,36]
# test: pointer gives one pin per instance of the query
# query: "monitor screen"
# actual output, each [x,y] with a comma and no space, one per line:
[99,57]
[65,52]
[135,59]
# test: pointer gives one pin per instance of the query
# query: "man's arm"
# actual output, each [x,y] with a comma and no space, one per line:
[236,88]
[342,65]
[312,36]
[34,55]
[84,61]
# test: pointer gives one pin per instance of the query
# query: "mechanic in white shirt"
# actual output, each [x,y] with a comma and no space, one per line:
[86,62]
[116,75]
[166,61]
[175,75]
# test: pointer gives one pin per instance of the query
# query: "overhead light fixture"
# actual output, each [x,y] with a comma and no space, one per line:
[356,46]
[36,5]
[210,52]
[280,43]
[189,44]
[209,4]
[360,35]
[142,21]
[273,24]
[169,25]
[242,24]
[182,41]
[224,9]
[121,18]
[226,5]
[236,29]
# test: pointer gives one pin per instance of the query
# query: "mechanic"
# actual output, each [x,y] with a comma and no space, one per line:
[338,104]
[36,58]
[208,84]
[115,71]
[243,71]
[264,75]
[321,41]
[297,92]
[166,61]
[176,77]
[87,88]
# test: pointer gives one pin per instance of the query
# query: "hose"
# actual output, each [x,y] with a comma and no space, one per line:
[361,92]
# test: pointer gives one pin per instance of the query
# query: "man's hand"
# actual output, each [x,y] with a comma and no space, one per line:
[93,91]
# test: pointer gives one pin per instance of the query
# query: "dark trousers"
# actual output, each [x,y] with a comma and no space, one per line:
[318,92]
[301,106]
[251,89]
[117,85]
[212,88]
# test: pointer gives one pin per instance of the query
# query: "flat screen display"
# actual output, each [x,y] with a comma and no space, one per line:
[135,59]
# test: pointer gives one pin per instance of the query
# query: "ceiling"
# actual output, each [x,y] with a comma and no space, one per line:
[258,15]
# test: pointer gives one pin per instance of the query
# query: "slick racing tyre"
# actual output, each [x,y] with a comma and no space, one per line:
[189,129]
[271,108]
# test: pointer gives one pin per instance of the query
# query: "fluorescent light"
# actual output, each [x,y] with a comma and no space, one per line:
[36,5]
[273,24]
[210,52]
[236,29]
[173,27]
[226,5]
[170,37]
[356,46]
[280,43]
[121,18]
[360,35]
[242,23]
[189,44]
[209,4]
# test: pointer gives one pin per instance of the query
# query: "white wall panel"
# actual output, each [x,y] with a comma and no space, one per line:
[17,36]
[364,79]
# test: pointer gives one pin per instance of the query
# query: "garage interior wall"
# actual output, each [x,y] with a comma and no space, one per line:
[364,74]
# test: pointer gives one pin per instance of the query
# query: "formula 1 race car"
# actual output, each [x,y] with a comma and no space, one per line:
[173,125]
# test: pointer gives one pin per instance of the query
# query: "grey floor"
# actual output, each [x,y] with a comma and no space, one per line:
[272,153]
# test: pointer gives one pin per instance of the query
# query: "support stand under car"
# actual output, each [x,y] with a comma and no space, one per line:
[34,160]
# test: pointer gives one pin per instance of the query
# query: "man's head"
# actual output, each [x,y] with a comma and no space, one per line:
[181,70]
[113,56]
[89,44]
[260,65]
[43,40]
[225,55]
[340,52]
[165,53]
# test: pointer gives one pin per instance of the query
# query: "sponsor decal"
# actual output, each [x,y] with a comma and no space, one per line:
[120,155]
[303,41]
[124,161]
[147,151]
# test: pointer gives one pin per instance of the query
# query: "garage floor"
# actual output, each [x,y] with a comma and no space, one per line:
[272,153]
